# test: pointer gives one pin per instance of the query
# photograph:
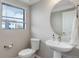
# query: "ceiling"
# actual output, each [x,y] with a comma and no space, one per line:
[30,2]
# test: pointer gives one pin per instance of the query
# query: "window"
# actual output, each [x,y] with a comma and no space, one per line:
[12,17]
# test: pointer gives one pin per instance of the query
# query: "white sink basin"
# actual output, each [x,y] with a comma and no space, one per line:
[59,46]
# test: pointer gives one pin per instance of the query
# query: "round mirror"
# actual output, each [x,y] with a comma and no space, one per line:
[62,17]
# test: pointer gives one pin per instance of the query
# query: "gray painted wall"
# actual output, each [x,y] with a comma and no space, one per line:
[19,38]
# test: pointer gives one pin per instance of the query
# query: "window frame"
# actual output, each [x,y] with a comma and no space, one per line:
[15,17]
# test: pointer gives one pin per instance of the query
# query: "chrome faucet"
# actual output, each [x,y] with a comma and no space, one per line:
[59,38]
[53,37]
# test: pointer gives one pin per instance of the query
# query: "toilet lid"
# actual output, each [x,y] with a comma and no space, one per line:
[26,52]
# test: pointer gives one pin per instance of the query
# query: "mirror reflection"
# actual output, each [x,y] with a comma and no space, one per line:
[62,17]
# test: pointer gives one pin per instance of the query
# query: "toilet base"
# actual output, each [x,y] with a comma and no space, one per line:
[33,56]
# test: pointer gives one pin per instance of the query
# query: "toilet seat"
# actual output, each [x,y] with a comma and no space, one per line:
[26,53]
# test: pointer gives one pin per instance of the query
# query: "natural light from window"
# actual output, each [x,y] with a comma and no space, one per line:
[12,17]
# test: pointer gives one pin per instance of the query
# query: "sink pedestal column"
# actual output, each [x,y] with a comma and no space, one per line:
[57,54]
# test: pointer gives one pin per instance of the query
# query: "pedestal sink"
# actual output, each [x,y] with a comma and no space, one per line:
[59,47]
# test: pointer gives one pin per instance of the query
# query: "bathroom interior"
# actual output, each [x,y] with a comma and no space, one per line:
[39,29]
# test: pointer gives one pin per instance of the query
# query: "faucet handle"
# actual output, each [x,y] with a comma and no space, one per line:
[53,37]
[63,33]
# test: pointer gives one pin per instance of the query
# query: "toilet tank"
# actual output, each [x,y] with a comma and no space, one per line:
[35,43]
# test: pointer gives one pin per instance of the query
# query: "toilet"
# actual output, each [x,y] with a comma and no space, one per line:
[29,52]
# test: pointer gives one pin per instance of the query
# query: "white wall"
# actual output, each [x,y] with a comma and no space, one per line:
[41,20]
[40,24]
[20,38]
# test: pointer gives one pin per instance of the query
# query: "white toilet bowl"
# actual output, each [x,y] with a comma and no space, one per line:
[29,52]
[26,53]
